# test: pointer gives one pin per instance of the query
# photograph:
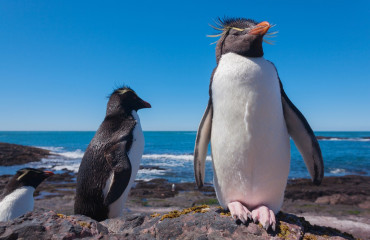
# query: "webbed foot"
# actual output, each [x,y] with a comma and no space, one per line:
[238,211]
[264,216]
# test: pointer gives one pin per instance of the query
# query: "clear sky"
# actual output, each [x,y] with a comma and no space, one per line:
[60,59]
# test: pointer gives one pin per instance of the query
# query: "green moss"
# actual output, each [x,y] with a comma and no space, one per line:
[211,201]
[223,211]
[155,215]
[196,209]
[309,237]
[283,231]
[354,212]
[81,223]
[61,215]
[84,224]
[225,214]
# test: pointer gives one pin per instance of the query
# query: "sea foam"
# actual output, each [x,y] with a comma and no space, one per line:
[184,157]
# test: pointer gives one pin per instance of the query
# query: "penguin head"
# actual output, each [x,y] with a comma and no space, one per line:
[125,99]
[29,177]
[241,36]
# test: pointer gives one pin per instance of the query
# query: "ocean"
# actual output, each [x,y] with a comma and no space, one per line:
[169,155]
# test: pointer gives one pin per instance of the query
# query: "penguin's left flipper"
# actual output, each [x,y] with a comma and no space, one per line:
[201,144]
[121,170]
[304,138]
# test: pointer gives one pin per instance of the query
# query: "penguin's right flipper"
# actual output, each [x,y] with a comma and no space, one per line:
[304,138]
[121,170]
[201,144]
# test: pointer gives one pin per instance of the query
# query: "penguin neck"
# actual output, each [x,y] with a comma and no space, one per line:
[19,194]
[118,112]
[255,49]
[135,116]
[12,186]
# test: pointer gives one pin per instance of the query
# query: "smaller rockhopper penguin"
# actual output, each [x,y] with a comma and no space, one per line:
[17,198]
[111,161]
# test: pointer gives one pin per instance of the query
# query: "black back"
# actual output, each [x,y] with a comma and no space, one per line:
[107,154]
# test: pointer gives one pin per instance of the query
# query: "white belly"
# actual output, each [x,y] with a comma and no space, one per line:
[17,203]
[135,154]
[249,139]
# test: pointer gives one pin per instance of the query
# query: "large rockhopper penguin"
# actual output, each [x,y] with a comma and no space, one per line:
[248,121]
[17,198]
[111,161]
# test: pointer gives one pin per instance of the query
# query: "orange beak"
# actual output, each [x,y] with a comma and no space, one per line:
[260,29]
[48,173]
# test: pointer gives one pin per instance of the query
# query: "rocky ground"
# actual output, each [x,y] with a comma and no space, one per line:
[339,202]
[201,222]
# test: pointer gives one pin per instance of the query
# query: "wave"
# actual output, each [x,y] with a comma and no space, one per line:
[71,167]
[338,171]
[359,139]
[152,171]
[184,157]
[52,149]
[75,154]
[68,154]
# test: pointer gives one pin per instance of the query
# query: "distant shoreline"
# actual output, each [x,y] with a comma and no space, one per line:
[15,154]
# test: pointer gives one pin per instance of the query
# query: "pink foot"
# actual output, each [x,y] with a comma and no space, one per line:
[238,211]
[264,216]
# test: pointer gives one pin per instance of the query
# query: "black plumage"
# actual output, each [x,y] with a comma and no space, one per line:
[106,155]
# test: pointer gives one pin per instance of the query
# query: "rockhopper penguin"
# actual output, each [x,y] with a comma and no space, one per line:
[248,121]
[111,161]
[17,198]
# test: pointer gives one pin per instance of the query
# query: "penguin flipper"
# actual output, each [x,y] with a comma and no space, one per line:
[121,170]
[304,138]
[201,144]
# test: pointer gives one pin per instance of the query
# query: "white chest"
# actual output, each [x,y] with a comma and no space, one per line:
[240,80]
[249,140]
[246,100]
[137,147]
[17,203]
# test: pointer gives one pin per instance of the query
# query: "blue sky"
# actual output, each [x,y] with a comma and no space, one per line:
[60,59]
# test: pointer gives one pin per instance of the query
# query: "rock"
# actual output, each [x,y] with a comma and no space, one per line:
[351,185]
[212,223]
[365,205]
[342,199]
[149,167]
[199,222]
[155,188]
[43,224]
[14,154]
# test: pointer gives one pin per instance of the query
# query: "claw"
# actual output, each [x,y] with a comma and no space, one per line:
[255,219]
[238,211]
[265,216]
